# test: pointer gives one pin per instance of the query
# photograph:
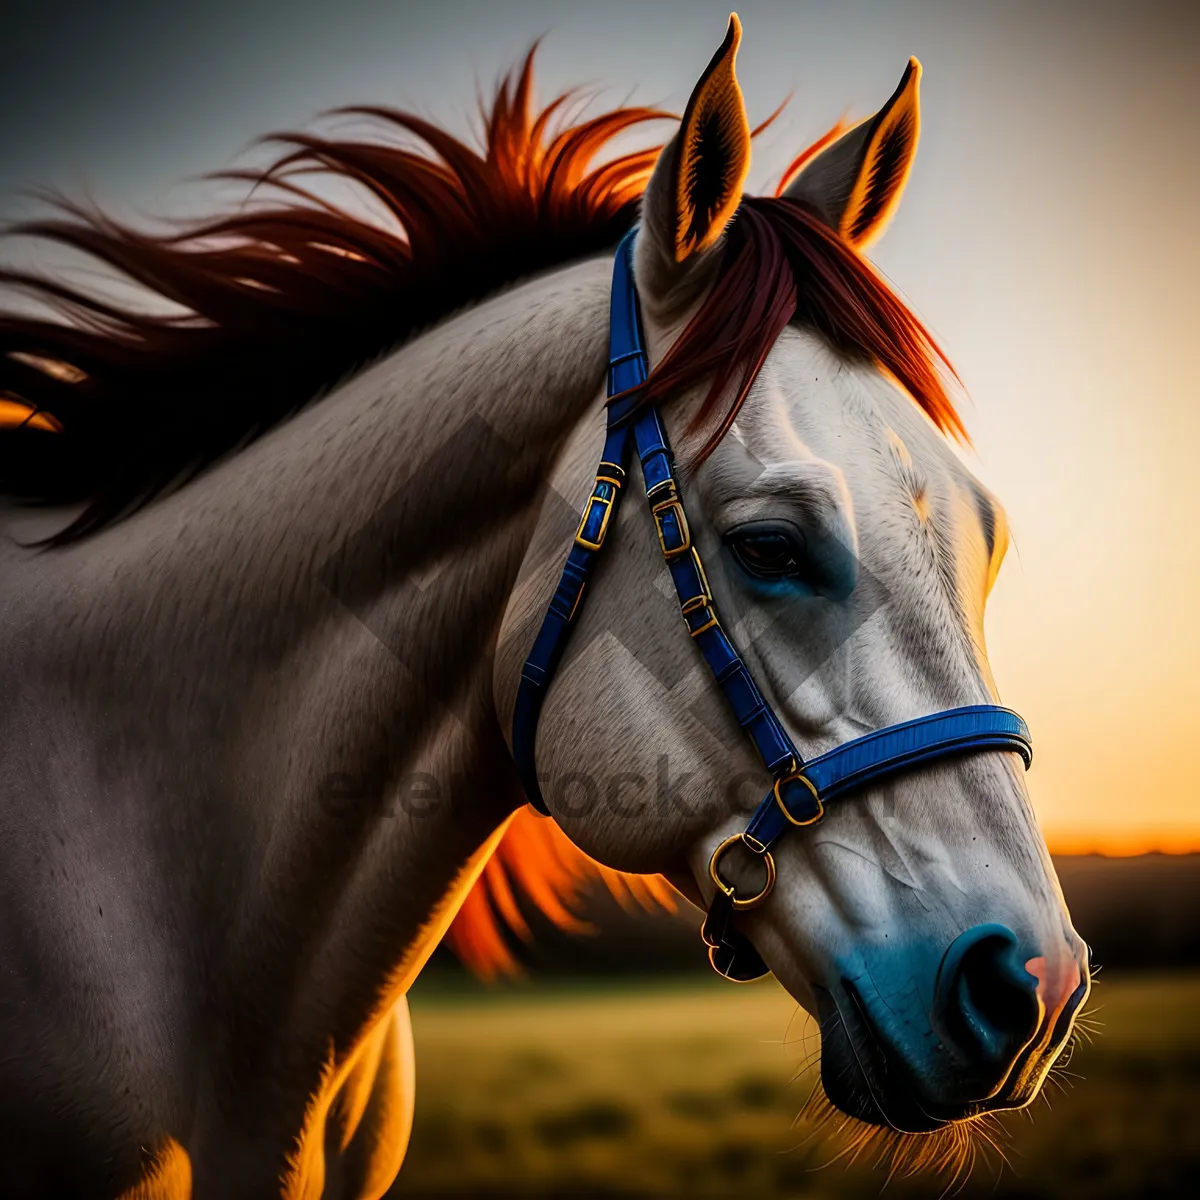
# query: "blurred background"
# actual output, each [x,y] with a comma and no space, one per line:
[1048,238]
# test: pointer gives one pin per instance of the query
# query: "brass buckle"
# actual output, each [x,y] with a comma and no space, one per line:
[699,602]
[727,889]
[672,503]
[798,773]
[586,543]
[606,501]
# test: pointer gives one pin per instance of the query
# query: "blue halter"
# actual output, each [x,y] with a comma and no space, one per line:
[801,789]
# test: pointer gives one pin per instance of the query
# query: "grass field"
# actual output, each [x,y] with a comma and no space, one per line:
[692,1089]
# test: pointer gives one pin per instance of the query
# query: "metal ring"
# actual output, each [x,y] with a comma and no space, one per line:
[812,787]
[728,889]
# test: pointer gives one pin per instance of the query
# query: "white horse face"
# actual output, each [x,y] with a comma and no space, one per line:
[921,920]
[850,554]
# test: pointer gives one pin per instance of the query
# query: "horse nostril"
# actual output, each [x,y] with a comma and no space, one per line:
[986,1002]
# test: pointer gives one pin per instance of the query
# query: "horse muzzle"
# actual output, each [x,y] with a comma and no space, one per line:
[987,1042]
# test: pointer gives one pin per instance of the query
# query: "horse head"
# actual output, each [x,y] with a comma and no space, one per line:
[850,552]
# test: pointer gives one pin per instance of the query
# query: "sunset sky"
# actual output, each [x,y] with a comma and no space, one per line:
[1048,237]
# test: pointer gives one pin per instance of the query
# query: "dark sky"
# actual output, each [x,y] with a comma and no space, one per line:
[1048,236]
[125,93]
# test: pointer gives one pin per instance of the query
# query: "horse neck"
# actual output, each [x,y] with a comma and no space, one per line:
[405,500]
[418,460]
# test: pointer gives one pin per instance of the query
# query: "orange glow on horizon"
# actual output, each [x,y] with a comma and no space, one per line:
[1125,844]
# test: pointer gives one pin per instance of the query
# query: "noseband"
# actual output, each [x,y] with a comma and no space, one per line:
[800,788]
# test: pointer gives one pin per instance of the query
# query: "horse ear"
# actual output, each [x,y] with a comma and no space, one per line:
[855,183]
[697,182]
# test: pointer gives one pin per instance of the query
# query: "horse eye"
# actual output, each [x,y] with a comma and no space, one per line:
[768,549]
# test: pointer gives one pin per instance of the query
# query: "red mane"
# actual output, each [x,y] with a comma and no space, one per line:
[285,297]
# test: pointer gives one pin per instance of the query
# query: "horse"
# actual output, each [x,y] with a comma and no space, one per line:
[279,546]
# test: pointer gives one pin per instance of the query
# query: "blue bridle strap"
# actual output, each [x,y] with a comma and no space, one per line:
[876,755]
[800,789]
[626,369]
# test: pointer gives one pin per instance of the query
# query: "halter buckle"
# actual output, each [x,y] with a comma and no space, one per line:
[797,775]
[727,889]
[697,611]
[670,521]
[594,524]
[699,615]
